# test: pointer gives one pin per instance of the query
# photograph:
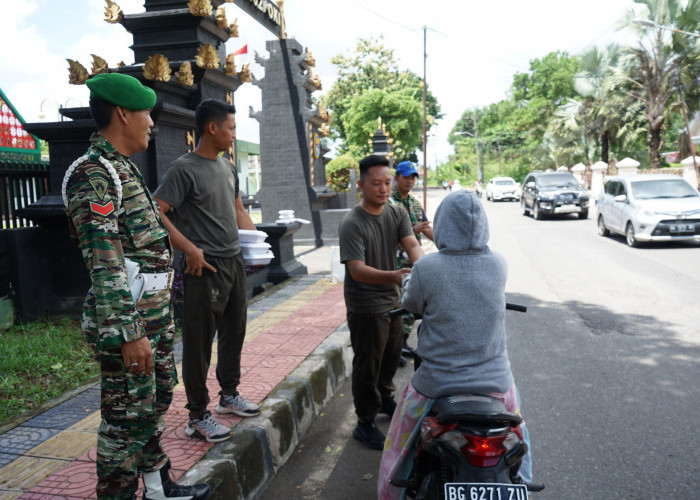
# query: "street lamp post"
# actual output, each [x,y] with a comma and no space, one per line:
[651,24]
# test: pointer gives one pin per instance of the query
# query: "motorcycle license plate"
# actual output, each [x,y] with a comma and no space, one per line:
[485,491]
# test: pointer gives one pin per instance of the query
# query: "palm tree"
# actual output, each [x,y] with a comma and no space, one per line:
[653,67]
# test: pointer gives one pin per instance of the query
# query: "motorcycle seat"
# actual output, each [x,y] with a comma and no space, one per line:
[474,408]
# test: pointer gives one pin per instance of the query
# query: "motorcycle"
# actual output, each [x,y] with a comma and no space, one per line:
[470,448]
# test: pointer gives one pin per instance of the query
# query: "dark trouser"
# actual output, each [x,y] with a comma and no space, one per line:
[133,405]
[376,341]
[214,303]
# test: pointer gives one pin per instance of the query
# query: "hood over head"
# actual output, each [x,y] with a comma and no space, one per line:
[460,225]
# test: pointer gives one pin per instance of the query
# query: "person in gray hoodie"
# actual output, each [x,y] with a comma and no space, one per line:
[460,292]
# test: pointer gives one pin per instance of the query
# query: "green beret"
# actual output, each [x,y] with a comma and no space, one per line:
[122,90]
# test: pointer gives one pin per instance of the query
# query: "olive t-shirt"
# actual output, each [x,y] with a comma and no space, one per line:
[203,193]
[373,239]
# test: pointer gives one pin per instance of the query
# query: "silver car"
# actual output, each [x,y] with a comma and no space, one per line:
[649,207]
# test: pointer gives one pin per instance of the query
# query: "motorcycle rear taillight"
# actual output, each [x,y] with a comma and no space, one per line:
[431,427]
[484,451]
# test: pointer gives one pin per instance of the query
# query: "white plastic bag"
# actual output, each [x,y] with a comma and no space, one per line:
[337,269]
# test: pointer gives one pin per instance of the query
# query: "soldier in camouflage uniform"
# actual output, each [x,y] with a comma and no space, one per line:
[113,216]
[405,179]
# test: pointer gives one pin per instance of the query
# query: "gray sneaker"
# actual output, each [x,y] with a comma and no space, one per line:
[208,428]
[238,405]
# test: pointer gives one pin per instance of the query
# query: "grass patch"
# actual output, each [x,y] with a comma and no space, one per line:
[40,361]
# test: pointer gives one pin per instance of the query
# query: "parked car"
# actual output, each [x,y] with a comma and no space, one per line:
[502,188]
[553,193]
[649,207]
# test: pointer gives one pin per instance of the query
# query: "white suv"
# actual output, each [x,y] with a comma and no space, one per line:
[502,188]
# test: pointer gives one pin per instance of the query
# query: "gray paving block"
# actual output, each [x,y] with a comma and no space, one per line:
[6,458]
[22,439]
[68,412]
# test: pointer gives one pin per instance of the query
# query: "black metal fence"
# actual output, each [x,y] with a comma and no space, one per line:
[21,184]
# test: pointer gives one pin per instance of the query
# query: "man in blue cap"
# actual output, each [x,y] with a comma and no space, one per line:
[114,220]
[405,178]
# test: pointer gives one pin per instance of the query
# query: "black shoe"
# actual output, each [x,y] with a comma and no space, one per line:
[402,362]
[388,406]
[408,351]
[159,485]
[369,434]
[534,486]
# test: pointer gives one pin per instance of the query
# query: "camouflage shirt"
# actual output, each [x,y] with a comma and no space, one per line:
[416,214]
[107,232]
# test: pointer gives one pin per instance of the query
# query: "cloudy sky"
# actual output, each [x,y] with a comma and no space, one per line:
[473,47]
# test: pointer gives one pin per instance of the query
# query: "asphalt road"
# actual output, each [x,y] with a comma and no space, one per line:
[607,361]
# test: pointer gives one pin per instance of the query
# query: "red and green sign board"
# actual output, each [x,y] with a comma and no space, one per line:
[15,143]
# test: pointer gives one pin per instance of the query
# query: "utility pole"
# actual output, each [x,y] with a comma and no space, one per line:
[479,167]
[425,126]
[498,148]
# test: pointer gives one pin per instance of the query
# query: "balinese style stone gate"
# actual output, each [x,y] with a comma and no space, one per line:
[291,148]
[179,50]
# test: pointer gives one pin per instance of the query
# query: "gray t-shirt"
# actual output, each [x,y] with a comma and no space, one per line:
[372,239]
[203,194]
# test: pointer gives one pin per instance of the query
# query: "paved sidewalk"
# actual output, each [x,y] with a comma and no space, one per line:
[53,454]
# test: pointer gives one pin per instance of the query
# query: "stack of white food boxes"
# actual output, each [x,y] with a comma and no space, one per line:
[255,251]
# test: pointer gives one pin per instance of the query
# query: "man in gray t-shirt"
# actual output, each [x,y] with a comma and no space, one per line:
[369,236]
[200,191]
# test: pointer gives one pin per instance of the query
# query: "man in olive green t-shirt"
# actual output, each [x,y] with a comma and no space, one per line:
[369,236]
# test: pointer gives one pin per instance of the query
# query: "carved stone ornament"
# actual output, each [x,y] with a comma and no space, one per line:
[99,65]
[233,29]
[189,140]
[325,130]
[221,20]
[201,8]
[309,58]
[230,65]
[113,13]
[157,68]
[184,74]
[121,64]
[77,73]
[207,57]
[244,74]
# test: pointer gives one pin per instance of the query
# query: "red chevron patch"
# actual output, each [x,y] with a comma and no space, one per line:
[102,209]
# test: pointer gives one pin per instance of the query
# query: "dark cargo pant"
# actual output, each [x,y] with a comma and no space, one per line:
[133,405]
[376,342]
[214,303]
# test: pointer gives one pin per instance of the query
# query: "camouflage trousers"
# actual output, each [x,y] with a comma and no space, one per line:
[133,405]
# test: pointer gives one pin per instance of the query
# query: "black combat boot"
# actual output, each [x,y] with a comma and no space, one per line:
[159,486]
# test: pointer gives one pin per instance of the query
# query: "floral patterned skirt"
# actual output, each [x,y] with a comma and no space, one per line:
[403,439]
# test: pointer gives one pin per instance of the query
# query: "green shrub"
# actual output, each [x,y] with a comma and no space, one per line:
[338,172]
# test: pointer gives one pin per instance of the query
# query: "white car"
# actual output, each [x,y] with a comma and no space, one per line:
[649,207]
[502,188]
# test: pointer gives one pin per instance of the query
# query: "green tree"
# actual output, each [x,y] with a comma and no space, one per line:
[371,68]
[511,131]
[400,113]
[661,62]
[338,172]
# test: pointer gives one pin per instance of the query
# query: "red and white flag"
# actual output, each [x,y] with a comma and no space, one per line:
[242,50]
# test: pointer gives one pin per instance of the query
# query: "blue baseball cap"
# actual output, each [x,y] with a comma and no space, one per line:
[406,168]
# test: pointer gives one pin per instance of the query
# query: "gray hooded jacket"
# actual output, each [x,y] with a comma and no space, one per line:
[460,291]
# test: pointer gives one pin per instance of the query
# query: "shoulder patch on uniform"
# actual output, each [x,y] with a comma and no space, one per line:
[131,189]
[104,210]
[99,180]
